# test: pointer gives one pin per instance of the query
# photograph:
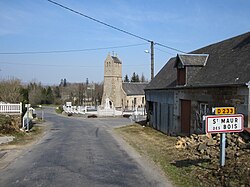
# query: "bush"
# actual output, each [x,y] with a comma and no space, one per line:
[59,109]
[6,125]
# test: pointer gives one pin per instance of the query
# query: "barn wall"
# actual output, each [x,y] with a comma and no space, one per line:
[161,110]
[165,115]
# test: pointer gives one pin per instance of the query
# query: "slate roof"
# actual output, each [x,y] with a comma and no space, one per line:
[192,59]
[228,64]
[116,59]
[131,88]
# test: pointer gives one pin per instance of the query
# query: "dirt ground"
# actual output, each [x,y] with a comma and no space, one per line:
[192,165]
[21,143]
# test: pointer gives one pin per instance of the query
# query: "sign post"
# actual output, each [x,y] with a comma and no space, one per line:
[224,124]
[27,119]
[222,149]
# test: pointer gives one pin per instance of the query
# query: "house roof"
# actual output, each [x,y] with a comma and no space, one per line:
[192,59]
[134,88]
[166,77]
[228,64]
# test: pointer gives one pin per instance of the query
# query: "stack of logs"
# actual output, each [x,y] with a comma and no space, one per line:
[208,146]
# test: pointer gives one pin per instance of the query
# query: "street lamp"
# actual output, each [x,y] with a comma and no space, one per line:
[152,58]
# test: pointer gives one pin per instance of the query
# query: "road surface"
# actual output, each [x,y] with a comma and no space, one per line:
[80,152]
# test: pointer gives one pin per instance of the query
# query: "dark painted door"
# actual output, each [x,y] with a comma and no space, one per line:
[185,116]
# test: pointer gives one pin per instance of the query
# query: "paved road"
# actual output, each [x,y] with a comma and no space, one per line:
[80,152]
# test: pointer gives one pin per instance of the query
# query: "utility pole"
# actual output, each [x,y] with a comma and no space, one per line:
[152,59]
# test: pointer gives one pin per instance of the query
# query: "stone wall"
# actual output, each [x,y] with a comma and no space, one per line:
[237,97]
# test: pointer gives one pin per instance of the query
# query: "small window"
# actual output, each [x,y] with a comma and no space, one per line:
[142,100]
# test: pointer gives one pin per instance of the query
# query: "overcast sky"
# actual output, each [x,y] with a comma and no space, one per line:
[40,26]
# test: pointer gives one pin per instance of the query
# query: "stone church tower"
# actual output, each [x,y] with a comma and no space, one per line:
[112,87]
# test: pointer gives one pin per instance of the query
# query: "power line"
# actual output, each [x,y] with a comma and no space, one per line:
[174,49]
[113,27]
[69,51]
[98,21]
[164,51]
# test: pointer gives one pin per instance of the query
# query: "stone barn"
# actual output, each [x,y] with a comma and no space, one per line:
[190,85]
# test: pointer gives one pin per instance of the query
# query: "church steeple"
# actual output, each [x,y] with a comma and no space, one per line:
[112,79]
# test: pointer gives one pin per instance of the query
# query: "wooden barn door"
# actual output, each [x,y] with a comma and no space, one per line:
[185,116]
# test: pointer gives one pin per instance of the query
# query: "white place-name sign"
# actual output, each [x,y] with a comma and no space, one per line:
[224,123]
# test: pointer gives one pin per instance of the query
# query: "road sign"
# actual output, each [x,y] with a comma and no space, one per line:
[223,110]
[224,123]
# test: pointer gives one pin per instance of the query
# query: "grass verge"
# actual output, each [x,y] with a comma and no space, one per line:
[161,149]
[23,138]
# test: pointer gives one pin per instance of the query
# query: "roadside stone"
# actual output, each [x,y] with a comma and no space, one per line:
[194,136]
[202,137]
[205,157]
[245,146]
[229,142]
[211,142]
[181,144]
[209,136]
[237,154]
[240,141]
[6,139]
[202,147]
[228,135]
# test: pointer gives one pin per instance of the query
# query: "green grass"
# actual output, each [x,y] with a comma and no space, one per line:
[161,149]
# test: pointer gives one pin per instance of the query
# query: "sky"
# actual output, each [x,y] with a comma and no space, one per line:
[42,42]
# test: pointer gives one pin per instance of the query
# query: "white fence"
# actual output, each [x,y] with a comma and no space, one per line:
[10,108]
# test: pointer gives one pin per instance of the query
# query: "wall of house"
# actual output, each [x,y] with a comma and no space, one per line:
[196,96]
[237,97]
[164,106]
[160,108]
[130,104]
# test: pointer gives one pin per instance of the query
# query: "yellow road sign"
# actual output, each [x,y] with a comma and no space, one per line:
[224,110]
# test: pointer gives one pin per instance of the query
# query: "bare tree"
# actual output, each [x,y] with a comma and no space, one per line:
[10,90]
[80,93]
[35,93]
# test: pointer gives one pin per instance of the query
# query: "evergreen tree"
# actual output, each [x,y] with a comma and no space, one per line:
[44,96]
[135,78]
[64,82]
[126,78]
[57,92]
[143,78]
[49,96]
[25,95]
